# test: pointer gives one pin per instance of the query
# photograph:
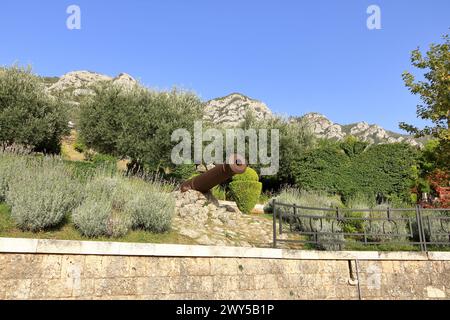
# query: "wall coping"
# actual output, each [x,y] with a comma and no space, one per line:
[43,246]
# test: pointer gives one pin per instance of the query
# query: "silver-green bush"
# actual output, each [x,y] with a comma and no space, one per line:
[149,204]
[101,213]
[113,206]
[321,224]
[40,192]
[152,211]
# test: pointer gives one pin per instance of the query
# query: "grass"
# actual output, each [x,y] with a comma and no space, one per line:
[68,232]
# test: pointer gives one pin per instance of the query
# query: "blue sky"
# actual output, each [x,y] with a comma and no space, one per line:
[296,56]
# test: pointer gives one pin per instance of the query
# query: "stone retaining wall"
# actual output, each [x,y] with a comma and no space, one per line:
[43,269]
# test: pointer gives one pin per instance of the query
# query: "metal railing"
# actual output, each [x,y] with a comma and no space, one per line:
[339,229]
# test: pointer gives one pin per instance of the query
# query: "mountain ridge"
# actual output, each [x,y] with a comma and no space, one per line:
[230,110]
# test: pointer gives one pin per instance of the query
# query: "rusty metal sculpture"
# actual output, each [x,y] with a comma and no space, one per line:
[217,175]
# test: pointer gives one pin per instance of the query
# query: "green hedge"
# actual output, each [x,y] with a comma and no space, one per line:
[245,190]
[386,170]
[248,175]
[246,194]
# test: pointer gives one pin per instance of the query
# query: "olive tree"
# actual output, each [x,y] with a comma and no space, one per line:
[137,122]
[28,114]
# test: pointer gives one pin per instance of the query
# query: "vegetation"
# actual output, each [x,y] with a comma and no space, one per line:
[41,193]
[28,115]
[385,171]
[295,140]
[246,189]
[45,192]
[137,123]
[434,91]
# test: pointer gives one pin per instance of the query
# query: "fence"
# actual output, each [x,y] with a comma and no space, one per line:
[338,229]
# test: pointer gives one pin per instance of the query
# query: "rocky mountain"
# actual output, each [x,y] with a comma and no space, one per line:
[79,83]
[230,111]
[322,127]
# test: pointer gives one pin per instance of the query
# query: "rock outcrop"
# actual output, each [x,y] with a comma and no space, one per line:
[79,83]
[77,80]
[207,221]
[322,127]
[231,110]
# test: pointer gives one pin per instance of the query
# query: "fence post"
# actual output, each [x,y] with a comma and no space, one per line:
[274,215]
[280,221]
[424,240]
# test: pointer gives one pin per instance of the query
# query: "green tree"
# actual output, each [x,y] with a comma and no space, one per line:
[352,146]
[28,115]
[137,123]
[295,140]
[434,91]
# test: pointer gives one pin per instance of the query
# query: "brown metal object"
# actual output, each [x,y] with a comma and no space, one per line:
[217,175]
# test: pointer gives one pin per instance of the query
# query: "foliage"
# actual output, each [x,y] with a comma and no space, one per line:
[434,91]
[115,205]
[245,190]
[248,175]
[150,207]
[182,172]
[295,139]
[101,213]
[219,193]
[246,194]
[28,115]
[324,169]
[319,224]
[385,170]
[79,146]
[41,193]
[352,146]
[137,123]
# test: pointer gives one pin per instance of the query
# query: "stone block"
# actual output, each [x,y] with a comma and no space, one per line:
[191,284]
[226,283]
[115,287]
[15,289]
[51,288]
[195,267]
[225,266]
[152,285]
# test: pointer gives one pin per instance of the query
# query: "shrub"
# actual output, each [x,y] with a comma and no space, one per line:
[305,199]
[6,172]
[358,201]
[28,115]
[152,211]
[104,159]
[41,193]
[102,211]
[183,172]
[219,193]
[79,146]
[116,204]
[246,189]
[319,224]
[248,175]
[149,204]
[386,169]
